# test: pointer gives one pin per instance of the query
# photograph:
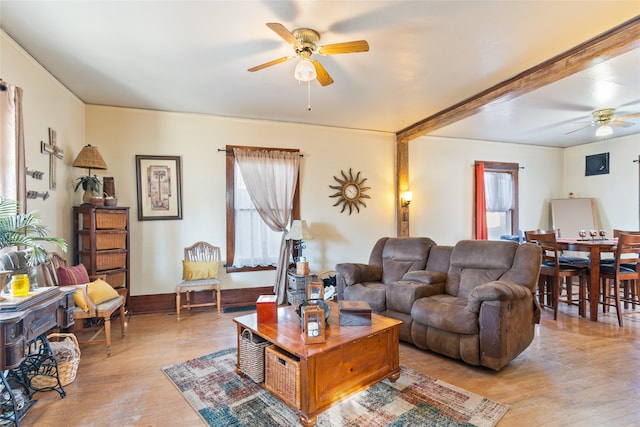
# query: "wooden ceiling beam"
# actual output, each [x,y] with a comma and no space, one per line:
[618,40]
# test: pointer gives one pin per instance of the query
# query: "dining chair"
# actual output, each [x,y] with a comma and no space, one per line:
[567,260]
[199,273]
[552,272]
[622,274]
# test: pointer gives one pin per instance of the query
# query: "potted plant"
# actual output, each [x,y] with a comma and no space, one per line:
[18,229]
[90,185]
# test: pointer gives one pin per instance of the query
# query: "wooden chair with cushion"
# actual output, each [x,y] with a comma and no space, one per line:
[96,301]
[622,273]
[552,272]
[199,273]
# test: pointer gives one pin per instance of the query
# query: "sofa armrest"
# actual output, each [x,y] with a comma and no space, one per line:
[426,277]
[498,290]
[358,273]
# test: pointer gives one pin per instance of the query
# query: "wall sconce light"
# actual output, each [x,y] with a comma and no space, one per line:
[406,198]
[405,201]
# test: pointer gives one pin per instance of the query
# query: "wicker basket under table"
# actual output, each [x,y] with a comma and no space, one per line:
[282,376]
[67,366]
[251,355]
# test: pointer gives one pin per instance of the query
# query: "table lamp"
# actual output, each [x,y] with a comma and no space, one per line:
[90,158]
[300,232]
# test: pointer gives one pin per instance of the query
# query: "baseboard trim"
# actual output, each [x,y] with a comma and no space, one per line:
[231,299]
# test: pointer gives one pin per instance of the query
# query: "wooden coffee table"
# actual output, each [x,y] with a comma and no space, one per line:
[352,359]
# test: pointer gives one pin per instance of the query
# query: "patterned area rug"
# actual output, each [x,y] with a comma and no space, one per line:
[222,398]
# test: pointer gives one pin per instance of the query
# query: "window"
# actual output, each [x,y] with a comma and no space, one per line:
[251,244]
[500,200]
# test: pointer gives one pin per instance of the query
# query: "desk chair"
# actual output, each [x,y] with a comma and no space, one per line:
[101,311]
[199,273]
[552,271]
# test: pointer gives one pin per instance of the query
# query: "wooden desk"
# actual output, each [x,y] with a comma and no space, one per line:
[23,322]
[595,248]
[352,359]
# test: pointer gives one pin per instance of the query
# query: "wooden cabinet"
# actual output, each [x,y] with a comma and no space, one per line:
[102,242]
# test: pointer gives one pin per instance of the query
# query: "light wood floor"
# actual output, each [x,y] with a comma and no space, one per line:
[575,373]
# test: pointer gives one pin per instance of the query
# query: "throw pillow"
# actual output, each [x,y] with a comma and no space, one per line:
[78,298]
[76,275]
[100,291]
[197,270]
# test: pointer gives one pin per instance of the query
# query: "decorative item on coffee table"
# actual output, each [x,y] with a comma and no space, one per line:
[315,291]
[267,308]
[354,313]
[313,326]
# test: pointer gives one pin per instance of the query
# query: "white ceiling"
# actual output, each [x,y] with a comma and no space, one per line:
[193,56]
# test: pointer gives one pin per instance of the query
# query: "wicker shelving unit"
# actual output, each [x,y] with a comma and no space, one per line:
[101,239]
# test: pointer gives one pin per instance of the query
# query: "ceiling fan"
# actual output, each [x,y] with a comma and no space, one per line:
[305,43]
[604,119]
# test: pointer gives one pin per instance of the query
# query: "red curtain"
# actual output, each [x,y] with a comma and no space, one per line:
[481,204]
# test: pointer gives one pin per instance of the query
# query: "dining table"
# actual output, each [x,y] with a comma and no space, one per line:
[595,247]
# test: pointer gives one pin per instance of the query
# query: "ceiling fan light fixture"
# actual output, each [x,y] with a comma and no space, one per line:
[305,71]
[604,130]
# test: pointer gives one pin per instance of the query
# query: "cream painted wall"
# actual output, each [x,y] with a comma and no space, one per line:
[46,103]
[156,246]
[617,192]
[441,176]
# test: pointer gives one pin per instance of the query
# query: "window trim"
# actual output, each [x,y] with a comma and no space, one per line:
[230,197]
[512,169]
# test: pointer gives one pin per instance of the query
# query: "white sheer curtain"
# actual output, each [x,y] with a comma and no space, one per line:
[12,157]
[498,188]
[271,177]
[255,243]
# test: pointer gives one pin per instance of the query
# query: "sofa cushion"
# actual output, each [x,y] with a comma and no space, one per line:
[445,312]
[402,255]
[372,292]
[474,262]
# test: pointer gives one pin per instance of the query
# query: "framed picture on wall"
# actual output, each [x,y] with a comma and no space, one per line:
[159,181]
[597,164]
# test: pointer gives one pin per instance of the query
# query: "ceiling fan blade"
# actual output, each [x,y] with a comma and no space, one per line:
[626,116]
[346,47]
[321,74]
[270,63]
[280,30]
[579,129]
[617,122]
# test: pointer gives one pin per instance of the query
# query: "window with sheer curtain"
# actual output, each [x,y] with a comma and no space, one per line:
[255,243]
[496,200]
[251,243]
[13,170]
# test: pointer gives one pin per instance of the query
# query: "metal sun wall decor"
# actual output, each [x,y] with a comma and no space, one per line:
[351,191]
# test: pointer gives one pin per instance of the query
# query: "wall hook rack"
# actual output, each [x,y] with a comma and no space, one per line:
[35,174]
[36,194]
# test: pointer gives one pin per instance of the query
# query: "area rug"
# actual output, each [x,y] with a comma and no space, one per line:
[223,398]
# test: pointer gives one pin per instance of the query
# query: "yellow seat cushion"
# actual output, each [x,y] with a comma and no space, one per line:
[197,270]
[98,291]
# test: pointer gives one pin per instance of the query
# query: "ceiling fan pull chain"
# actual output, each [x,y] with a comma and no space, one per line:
[309,95]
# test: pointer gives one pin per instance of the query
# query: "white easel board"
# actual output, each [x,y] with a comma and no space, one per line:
[572,215]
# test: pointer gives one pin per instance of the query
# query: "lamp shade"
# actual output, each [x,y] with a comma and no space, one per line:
[305,70]
[298,231]
[604,130]
[90,158]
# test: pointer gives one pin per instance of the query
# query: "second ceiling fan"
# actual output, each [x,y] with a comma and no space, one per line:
[604,119]
[305,43]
